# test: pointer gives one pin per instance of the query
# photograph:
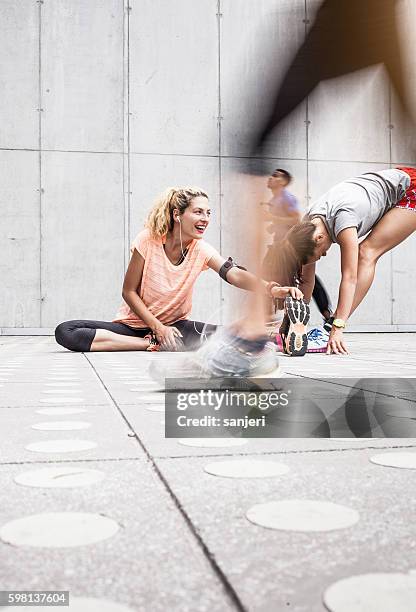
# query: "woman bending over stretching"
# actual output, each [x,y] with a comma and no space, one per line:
[166,259]
[381,204]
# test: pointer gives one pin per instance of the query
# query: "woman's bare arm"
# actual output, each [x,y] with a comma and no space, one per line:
[131,286]
[245,280]
[348,242]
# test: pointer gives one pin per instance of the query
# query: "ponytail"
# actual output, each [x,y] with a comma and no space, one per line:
[286,259]
[160,219]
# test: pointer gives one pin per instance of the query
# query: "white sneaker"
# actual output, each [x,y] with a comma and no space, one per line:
[317,340]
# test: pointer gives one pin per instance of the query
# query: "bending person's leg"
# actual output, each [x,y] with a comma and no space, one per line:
[85,336]
[391,230]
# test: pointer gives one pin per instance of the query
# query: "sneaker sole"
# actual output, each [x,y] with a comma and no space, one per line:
[299,314]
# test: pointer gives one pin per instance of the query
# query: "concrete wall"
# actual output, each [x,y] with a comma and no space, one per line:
[104,104]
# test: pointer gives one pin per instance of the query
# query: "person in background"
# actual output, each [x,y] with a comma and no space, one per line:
[283,212]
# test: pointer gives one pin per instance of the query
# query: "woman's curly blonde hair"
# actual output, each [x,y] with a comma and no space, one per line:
[160,219]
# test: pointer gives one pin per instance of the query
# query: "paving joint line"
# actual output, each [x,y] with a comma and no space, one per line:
[43,461]
[283,452]
[334,381]
[229,589]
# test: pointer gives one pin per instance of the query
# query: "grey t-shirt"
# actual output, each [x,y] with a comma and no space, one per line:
[360,202]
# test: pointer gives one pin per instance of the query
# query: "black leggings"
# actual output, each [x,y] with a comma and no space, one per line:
[321,298]
[79,335]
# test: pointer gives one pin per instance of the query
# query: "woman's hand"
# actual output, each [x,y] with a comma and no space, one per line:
[336,342]
[168,337]
[282,292]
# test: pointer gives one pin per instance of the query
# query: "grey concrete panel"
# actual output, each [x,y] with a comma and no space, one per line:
[19,115]
[299,567]
[376,308]
[404,279]
[256,48]
[173,77]
[82,75]
[152,563]
[151,175]
[403,149]
[238,217]
[402,136]
[108,431]
[349,118]
[19,239]
[83,232]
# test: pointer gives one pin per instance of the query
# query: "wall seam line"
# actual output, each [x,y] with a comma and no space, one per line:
[39,3]
[390,128]
[307,115]
[126,132]
[220,195]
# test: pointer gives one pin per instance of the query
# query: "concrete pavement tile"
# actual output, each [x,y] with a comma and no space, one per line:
[152,563]
[272,570]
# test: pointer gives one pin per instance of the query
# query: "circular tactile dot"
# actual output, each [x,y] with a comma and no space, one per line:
[152,398]
[302,515]
[62,379]
[131,376]
[352,439]
[60,446]
[246,468]
[156,408]
[147,388]
[82,604]
[63,372]
[51,391]
[405,460]
[63,400]
[212,442]
[58,529]
[61,425]
[59,477]
[372,593]
[62,384]
[403,412]
[60,411]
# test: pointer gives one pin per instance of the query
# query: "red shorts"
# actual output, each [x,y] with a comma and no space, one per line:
[409,199]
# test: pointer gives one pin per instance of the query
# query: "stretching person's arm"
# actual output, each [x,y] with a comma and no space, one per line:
[348,242]
[245,280]
[165,335]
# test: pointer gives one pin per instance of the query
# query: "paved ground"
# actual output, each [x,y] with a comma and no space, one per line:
[144,526]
